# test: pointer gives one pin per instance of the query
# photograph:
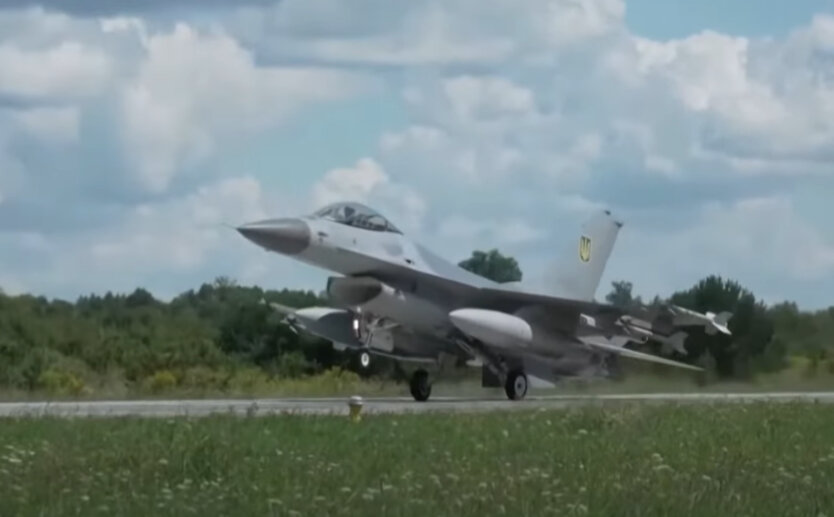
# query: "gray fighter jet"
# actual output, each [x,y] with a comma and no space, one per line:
[394,298]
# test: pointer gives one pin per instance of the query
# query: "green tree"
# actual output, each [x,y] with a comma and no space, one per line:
[493,265]
[621,295]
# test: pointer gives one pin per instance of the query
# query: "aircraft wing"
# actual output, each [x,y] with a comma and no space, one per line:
[601,344]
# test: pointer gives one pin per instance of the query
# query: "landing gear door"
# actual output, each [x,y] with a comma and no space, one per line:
[489,379]
[381,339]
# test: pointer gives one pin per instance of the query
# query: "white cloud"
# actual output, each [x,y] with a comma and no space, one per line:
[517,117]
[455,32]
[128,24]
[766,228]
[194,89]
[353,184]
[487,99]
[180,233]
[489,232]
[367,182]
[762,242]
[57,125]
[66,70]
[553,103]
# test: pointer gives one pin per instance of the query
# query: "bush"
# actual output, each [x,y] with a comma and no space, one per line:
[58,382]
[160,381]
[204,378]
[248,380]
[292,365]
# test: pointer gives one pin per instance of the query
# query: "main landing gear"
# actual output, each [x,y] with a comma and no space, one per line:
[496,370]
[420,386]
[516,385]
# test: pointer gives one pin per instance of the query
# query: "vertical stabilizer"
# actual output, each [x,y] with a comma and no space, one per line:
[579,273]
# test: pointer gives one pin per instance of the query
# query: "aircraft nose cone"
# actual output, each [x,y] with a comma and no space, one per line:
[286,236]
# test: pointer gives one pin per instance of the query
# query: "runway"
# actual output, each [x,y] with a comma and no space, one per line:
[374,405]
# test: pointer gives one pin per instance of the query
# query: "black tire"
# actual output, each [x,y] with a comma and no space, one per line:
[516,385]
[419,386]
[614,368]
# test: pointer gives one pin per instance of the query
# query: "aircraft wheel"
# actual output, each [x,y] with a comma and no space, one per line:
[364,359]
[516,385]
[420,386]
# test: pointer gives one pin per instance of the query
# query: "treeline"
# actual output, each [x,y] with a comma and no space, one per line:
[220,336]
[223,336]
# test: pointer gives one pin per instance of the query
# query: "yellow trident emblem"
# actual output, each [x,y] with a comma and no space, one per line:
[584,249]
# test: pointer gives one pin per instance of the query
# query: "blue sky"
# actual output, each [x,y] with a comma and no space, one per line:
[664,19]
[130,133]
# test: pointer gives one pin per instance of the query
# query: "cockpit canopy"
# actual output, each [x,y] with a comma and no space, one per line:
[356,215]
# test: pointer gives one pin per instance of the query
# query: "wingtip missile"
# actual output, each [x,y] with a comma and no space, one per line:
[712,322]
[718,323]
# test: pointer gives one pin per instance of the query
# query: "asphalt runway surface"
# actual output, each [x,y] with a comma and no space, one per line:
[260,407]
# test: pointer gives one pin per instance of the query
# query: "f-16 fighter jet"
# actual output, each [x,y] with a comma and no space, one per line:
[394,298]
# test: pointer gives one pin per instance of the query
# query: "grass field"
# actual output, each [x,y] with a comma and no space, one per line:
[615,460]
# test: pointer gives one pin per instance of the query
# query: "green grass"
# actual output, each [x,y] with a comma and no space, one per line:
[732,460]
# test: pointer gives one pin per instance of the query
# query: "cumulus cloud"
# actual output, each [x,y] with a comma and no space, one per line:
[489,232]
[518,117]
[459,32]
[576,90]
[194,89]
[190,237]
[57,125]
[66,70]
[366,182]
[179,233]
[769,229]
[762,241]
[104,7]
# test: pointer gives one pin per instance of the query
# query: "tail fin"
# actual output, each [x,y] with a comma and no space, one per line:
[579,273]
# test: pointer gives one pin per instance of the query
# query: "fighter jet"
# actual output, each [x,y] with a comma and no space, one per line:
[393,297]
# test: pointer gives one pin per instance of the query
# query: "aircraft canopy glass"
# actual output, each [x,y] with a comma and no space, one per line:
[356,215]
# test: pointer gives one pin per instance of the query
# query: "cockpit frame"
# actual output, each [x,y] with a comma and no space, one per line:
[356,215]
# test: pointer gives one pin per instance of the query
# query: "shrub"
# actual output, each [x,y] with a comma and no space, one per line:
[205,378]
[58,382]
[160,381]
[248,380]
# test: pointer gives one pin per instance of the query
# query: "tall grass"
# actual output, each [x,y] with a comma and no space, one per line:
[617,460]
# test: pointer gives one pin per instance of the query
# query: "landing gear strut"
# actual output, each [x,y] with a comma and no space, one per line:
[420,386]
[516,385]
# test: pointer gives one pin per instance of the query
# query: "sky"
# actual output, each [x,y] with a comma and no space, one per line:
[132,134]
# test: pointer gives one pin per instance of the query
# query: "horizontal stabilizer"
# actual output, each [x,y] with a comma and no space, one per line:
[601,344]
[282,309]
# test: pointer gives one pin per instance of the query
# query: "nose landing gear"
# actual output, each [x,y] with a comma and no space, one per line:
[364,359]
